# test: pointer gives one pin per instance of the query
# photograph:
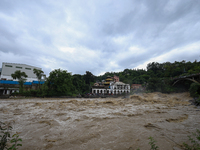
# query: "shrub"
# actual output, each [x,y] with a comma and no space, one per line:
[197,101]
[152,143]
[194,89]
[5,137]
[195,142]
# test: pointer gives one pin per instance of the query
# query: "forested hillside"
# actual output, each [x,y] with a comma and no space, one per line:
[155,70]
[157,77]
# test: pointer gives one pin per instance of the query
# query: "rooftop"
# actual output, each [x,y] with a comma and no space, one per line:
[21,64]
[118,83]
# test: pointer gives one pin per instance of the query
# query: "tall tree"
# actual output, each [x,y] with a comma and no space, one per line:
[60,83]
[79,84]
[89,77]
[21,77]
[39,74]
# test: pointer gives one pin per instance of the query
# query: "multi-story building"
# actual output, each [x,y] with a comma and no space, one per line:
[10,68]
[111,87]
[8,85]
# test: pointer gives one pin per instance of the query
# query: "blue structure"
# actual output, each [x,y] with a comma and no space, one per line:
[37,82]
[8,82]
[16,82]
[10,86]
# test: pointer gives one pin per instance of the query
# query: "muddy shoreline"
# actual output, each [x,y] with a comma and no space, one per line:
[102,123]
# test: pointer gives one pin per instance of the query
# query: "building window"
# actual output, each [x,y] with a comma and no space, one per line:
[28,68]
[8,65]
[18,67]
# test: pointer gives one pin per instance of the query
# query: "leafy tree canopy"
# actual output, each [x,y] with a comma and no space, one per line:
[21,77]
[60,83]
[38,73]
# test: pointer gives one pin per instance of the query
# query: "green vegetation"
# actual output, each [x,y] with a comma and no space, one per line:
[157,78]
[194,89]
[197,101]
[39,74]
[195,92]
[80,85]
[195,142]
[21,77]
[152,143]
[61,83]
[5,137]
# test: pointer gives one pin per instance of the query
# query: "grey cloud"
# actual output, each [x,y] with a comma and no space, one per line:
[6,35]
[39,28]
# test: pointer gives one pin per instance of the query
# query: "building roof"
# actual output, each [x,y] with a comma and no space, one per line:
[21,64]
[107,83]
[118,83]
[108,76]
[109,79]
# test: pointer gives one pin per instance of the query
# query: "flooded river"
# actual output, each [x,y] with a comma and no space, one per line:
[102,123]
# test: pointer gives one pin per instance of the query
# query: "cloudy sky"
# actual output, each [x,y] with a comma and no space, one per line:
[98,35]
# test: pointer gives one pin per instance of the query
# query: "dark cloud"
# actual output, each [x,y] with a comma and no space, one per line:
[98,36]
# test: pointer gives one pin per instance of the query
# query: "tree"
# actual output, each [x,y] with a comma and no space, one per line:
[154,84]
[21,77]
[79,84]
[194,89]
[89,77]
[60,83]
[39,74]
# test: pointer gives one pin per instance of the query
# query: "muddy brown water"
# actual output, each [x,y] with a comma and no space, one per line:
[102,124]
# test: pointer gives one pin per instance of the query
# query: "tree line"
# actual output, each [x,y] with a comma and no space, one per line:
[156,77]
[59,83]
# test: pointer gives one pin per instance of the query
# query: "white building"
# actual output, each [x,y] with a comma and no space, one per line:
[119,87]
[114,88]
[10,68]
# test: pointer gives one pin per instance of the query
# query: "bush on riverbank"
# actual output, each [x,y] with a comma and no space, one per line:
[194,90]
[195,93]
[6,138]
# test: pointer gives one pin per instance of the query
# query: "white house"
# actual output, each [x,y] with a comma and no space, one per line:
[114,88]
[119,87]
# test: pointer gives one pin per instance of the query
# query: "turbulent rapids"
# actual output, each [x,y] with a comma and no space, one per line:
[103,123]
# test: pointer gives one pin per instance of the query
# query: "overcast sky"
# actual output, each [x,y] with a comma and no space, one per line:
[98,35]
